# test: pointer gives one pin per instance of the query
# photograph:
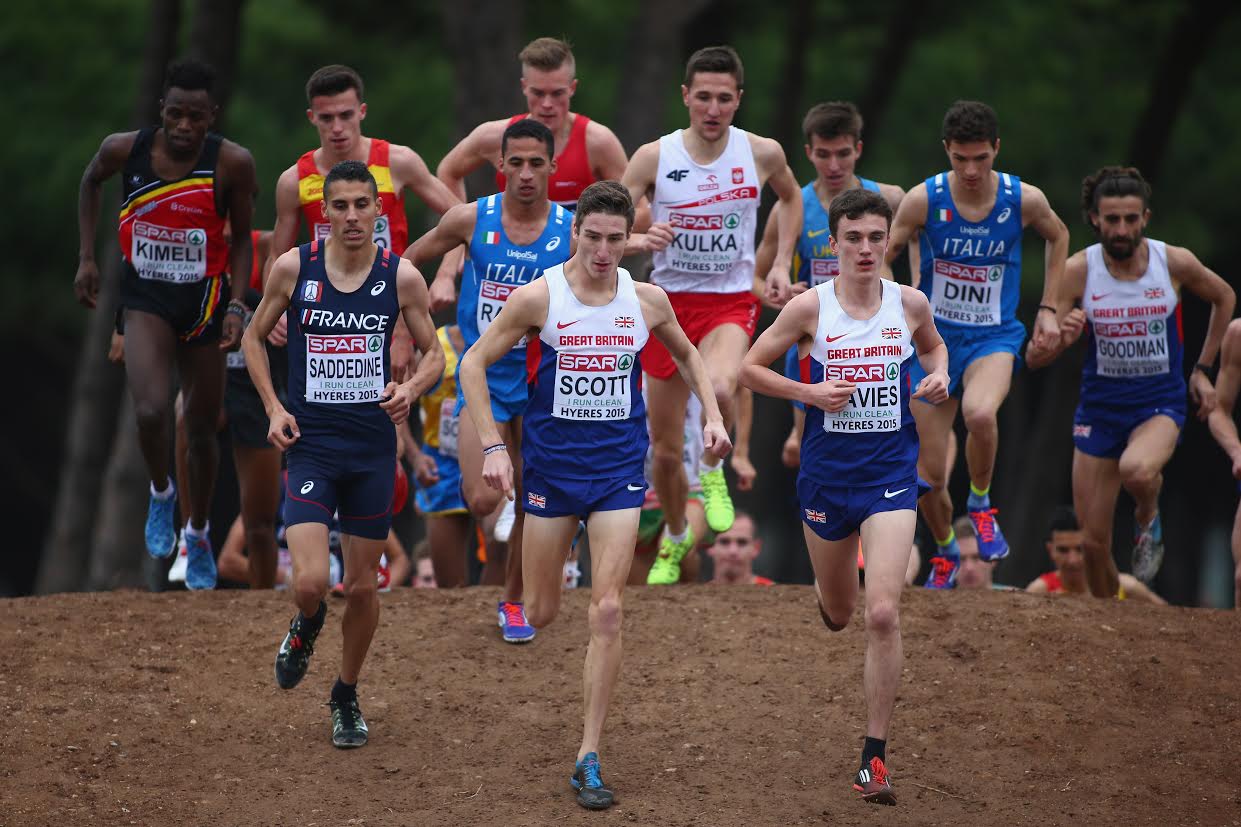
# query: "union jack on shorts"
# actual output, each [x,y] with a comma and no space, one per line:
[816,516]
[536,500]
[1081,430]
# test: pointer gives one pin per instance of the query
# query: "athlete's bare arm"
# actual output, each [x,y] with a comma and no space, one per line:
[1136,589]
[288,213]
[608,162]
[662,322]
[282,430]
[524,313]
[765,255]
[108,161]
[454,230]
[932,352]
[639,179]
[1038,214]
[1223,426]
[1069,310]
[797,323]
[481,146]
[241,185]
[773,168]
[412,293]
[410,171]
[909,220]
[894,195]
[1188,272]
[740,459]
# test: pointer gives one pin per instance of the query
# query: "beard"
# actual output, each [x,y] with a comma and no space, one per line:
[1123,247]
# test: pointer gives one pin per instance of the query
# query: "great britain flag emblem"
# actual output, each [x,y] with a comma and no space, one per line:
[1154,292]
[535,500]
[892,333]
[624,321]
[816,516]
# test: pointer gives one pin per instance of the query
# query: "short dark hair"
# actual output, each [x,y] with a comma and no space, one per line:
[547,54]
[968,122]
[721,59]
[831,120]
[528,128]
[607,197]
[333,80]
[1112,182]
[855,203]
[349,171]
[190,75]
[1064,518]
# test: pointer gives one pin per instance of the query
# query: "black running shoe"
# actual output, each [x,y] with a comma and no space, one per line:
[872,782]
[348,728]
[293,658]
[592,793]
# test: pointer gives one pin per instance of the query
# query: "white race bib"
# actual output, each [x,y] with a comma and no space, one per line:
[449,427]
[344,369]
[382,234]
[822,269]
[491,298]
[876,403]
[1133,347]
[592,386]
[967,293]
[163,254]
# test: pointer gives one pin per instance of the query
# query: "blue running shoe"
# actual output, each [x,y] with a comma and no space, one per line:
[944,570]
[161,536]
[512,621]
[200,571]
[991,542]
[592,793]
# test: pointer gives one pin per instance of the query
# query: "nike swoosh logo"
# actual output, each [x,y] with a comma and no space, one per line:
[815,233]
[831,339]
[1095,298]
[890,494]
[563,325]
[635,487]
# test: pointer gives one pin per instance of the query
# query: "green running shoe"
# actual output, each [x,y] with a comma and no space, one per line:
[718,505]
[667,567]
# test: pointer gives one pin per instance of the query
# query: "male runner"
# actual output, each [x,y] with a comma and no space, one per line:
[971,220]
[1132,404]
[343,295]
[704,184]
[181,183]
[335,99]
[856,336]
[1066,548]
[512,237]
[733,554]
[1224,429]
[833,146]
[585,434]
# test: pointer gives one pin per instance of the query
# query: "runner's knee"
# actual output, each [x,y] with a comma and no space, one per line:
[480,498]
[882,617]
[151,415]
[1137,473]
[540,612]
[605,617]
[363,588]
[309,588]
[979,420]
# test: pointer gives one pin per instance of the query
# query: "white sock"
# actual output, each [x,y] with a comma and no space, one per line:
[168,491]
[704,468]
[197,533]
[677,538]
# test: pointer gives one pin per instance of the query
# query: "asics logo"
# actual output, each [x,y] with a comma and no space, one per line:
[635,487]
[308,487]
[378,288]
[890,494]
[1003,216]
[553,244]
[815,233]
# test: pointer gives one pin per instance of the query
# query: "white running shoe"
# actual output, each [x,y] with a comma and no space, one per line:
[572,574]
[504,523]
[176,574]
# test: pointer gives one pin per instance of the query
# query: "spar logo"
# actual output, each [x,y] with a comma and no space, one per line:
[154,232]
[1122,330]
[1155,326]
[595,362]
[343,345]
[495,290]
[381,224]
[861,374]
[687,221]
[966,272]
[995,274]
[196,238]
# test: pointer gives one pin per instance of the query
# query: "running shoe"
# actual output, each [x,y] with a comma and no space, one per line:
[348,728]
[200,570]
[718,505]
[943,572]
[666,570]
[1148,551]
[293,659]
[176,574]
[161,536]
[872,782]
[592,793]
[512,622]
[504,523]
[991,542]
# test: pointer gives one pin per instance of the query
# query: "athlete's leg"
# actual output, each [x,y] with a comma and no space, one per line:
[1141,465]
[934,441]
[665,410]
[790,454]
[986,383]
[691,563]
[258,476]
[149,353]
[181,457]
[835,576]
[1096,484]
[887,538]
[361,602]
[548,540]
[512,566]
[482,500]
[308,552]
[201,369]
[232,563]
[449,536]
[612,535]
[1236,558]
[722,351]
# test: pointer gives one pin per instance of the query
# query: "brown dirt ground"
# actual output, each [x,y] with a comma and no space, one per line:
[735,708]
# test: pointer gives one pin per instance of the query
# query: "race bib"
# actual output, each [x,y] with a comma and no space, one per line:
[449,427]
[491,298]
[593,386]
[876,403]
[708,243]
[344,369]
[163,254]
[1133,347]
[822,269]
[967,293]
[382,234]
[236,359]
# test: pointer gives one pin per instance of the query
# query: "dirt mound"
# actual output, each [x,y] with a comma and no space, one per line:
[736,707]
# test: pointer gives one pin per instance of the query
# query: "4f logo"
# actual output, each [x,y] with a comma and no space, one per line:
[677,175]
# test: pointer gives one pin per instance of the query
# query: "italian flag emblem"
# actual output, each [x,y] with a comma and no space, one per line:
[945,215]
[491,238]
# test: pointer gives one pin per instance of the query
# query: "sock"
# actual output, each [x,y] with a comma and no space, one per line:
[196,533]
[343,692]
[873,748]
[169,490]
[677,538]
[980,498]
[949,547]
[704,468]
[315,621]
